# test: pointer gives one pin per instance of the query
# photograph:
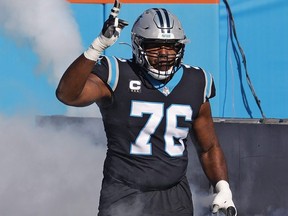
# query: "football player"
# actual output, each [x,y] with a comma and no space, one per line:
[150,104]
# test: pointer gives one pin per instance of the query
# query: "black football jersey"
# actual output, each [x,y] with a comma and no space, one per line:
[147,122]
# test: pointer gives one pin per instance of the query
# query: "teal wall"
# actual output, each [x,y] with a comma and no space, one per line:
[262,28]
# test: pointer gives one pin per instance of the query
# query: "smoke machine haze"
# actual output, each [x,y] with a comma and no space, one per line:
[48,27]
[48,170]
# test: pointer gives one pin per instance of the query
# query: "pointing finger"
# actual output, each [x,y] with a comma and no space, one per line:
[116,8]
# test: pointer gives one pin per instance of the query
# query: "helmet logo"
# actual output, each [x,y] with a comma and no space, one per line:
[166,36]
[162,19]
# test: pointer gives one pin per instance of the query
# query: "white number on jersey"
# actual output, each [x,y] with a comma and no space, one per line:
[142,144]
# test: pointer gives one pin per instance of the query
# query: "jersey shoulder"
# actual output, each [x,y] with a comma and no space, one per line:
[107,68]
[202,76]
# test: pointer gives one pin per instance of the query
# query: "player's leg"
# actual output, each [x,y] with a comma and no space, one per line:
[119,199]
[175,201]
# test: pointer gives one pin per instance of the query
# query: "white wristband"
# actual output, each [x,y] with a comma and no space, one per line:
[94,50]
[222,185]
[99,45]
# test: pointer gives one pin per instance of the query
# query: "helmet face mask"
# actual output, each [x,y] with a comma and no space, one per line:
[154,30]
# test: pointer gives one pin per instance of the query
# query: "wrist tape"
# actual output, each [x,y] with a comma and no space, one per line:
[222,185]
[95,49]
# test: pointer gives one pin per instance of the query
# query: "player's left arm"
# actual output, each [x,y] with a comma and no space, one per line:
[209,150]
[212,159]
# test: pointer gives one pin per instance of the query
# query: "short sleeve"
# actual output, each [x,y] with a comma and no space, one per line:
[209,90]
[107,69]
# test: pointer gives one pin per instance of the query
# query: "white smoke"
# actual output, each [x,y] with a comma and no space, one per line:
[48,27]
[55,168]
[50,30]
[88,111]
[48,170]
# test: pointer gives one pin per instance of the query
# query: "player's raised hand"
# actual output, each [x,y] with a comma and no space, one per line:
[113,25]
[223,199]
[109,34]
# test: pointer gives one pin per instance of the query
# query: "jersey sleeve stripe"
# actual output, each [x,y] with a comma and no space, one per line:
[208,85]
[113,76]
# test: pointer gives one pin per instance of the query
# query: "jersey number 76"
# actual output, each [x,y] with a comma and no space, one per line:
[142,144]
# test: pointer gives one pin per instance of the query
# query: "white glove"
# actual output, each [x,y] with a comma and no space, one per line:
[223,199]
[109,34]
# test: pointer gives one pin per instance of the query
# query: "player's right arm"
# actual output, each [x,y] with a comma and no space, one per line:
[78,86]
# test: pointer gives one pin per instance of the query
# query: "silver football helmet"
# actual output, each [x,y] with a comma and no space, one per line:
[158,26]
